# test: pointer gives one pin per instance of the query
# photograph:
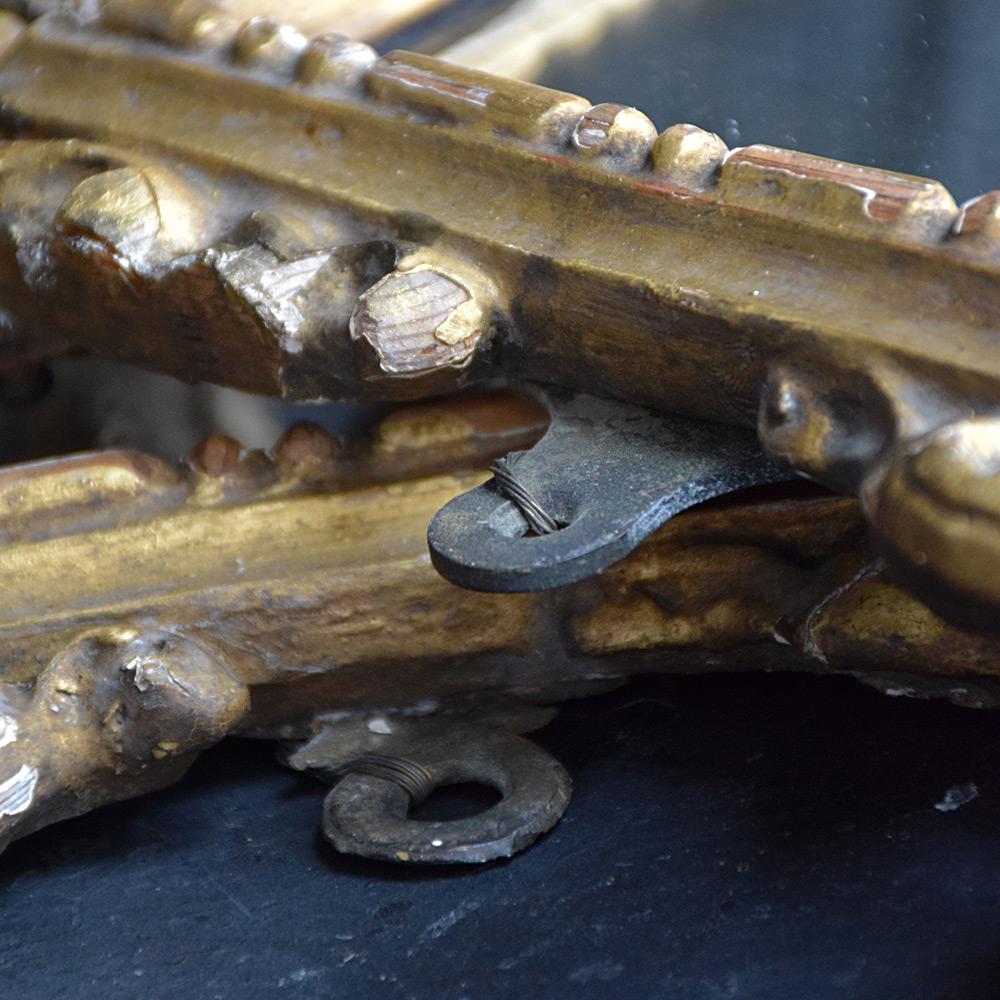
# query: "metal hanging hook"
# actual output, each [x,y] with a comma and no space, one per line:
[604,476]
[379,777]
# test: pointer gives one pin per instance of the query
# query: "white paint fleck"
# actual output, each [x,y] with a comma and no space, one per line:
[437,843]
[152,671]
[379,725]
[957,796]
[8,730]
[867,197]
[134,666]
[17,792]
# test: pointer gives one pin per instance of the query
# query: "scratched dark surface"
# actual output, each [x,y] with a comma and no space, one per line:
[730,837]
[761,838]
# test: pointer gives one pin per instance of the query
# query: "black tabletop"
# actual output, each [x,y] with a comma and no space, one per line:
[738,836]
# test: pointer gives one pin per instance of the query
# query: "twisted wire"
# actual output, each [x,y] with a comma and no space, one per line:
[538,518]
[414,779]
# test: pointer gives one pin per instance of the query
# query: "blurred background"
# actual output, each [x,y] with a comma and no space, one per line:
[905,85]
